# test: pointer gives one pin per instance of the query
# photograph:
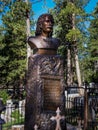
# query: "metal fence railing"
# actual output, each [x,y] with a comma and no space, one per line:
[82,110]
[14,113]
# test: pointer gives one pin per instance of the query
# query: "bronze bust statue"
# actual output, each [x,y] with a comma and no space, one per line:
[43,42]
[45,78]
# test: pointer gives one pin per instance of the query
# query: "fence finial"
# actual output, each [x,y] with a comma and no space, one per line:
[58,117]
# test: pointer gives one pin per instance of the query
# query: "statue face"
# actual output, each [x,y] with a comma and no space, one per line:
[47,25]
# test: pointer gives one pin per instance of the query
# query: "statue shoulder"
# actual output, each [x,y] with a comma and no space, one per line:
[56,41]
[32,40]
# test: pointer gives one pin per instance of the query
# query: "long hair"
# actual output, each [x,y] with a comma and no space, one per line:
[40,20]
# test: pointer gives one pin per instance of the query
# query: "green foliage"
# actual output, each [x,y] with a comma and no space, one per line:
[63,12]
[4,95]
[15,114]
[61,50]
[91,72]
[70,28]
[13,43]
[70,9]
[73,34]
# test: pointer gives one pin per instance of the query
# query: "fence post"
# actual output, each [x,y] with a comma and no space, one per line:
[1,122]
[85,109]
[2,108]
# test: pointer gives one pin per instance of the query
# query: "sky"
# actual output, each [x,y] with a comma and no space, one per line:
[89,8]
[42,7]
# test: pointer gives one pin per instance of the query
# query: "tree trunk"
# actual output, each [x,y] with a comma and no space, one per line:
[28,32]
[76,55]
[78,70]
[69,67]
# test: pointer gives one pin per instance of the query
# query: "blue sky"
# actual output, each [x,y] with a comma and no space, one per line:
[91,5]
[42,7]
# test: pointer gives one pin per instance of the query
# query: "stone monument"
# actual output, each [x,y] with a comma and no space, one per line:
[45,79]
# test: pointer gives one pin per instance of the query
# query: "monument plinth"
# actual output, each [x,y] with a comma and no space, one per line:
[45,90]
[45,81]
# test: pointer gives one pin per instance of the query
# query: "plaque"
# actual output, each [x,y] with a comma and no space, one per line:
[52,94]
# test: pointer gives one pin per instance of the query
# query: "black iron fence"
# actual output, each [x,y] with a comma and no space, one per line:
[82,110]
[14,101]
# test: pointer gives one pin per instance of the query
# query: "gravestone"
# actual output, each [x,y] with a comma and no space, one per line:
[22,107]
[8,112]
[45,83]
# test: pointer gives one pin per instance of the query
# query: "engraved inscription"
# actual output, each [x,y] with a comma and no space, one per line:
[52,94]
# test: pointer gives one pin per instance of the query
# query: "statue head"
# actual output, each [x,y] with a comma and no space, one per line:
[40,24]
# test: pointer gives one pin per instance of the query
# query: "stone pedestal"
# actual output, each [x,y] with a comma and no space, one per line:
[45,92]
